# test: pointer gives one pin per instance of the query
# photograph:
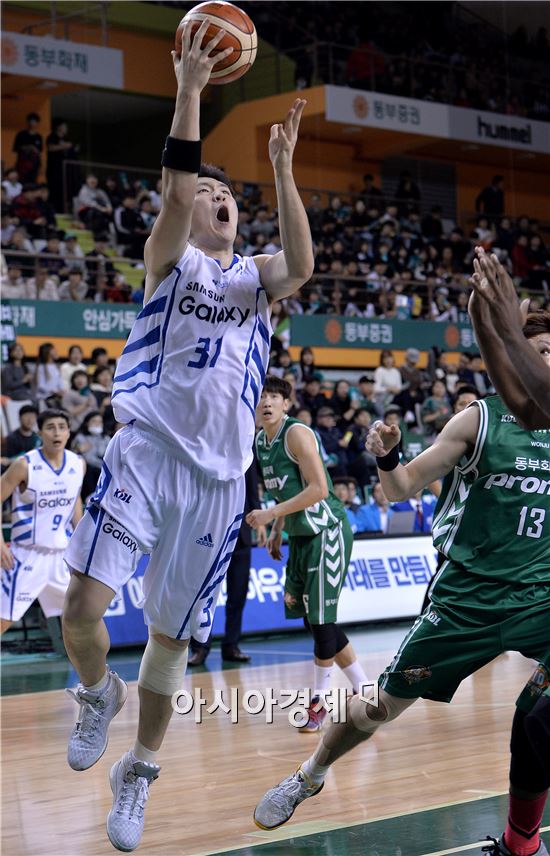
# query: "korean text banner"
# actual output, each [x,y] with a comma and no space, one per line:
[387,578]
[57,59]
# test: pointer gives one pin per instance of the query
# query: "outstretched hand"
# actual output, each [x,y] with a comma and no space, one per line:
[493,284]
[194,65]
[382,438]
[283,137]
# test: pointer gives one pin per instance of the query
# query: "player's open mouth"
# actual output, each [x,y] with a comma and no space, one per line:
[222,214]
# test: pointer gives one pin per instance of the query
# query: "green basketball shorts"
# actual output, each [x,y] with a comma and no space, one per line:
[316,571]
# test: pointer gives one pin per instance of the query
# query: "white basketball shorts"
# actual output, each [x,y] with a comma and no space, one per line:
[150,500]
[36,574]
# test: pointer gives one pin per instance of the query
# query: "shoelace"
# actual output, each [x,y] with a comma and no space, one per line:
[89,715]
[135,793]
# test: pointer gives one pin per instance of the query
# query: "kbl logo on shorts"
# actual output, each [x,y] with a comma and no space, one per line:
[122,494]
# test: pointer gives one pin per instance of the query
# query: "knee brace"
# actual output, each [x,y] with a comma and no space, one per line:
[325,645]
[162,669]
[368,717]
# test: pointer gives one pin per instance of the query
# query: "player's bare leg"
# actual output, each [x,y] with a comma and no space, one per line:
[101,693]
[4,624]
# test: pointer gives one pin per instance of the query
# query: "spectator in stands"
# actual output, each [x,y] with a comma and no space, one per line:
[18,245]
[14,286]
[373,516]
[432,226]
[47,382]
[505,235]
[361,464]
[490,200]
[436,409]
[74,288]
[442,308]
[91,442]
[282,364]
[314,213]
[25,208]
[16,376]
[341,490]
[73,363]
[481,379]
[370,195]
[387,378]
[342,403]
[93,206]
[407,194]
[366,397]
[59,149]
[12,185]
[146,213]
[118,290]
[156,197]
[28,148]
[79,399]
[42,286]
[332,440]
[73,253]
[99,359]
[306,368]
[54,261]
[45,207]
[263,224]
[130,228]
[311,397]
[25,438]
[102,386]
[97,261]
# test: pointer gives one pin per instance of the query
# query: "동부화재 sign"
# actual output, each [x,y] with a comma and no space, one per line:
[58,59]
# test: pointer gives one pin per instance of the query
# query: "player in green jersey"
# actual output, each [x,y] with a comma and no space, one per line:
[320,538]
[523,381]
[492,593]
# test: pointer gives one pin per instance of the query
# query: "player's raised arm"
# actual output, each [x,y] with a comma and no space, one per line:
[283,273]
[399,481]
[181,157]
[519,374]
[14,475]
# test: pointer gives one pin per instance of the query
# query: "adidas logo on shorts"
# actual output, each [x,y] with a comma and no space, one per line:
[205,541]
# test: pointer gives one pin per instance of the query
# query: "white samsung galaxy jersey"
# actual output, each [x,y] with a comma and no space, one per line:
[195,362]
[41,514]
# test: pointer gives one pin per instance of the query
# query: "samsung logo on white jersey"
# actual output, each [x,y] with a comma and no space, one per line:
[212,314]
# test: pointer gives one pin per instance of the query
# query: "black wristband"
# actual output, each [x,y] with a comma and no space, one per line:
[390,461]
[182,155]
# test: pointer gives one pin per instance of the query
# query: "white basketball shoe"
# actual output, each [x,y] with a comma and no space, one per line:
[130,779]
[89,738]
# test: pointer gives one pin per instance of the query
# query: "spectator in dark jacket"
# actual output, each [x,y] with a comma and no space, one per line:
[491,199]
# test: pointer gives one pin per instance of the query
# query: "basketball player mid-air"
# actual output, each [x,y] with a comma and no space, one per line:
[44,485]
[320,539]
[172,485]
[492,594]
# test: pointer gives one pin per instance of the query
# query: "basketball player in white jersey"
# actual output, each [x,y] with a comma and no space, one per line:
[172,484]
[44,485]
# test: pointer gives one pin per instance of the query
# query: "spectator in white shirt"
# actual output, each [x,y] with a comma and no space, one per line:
[74,288]
[47,377]
[42,286]
[14,286]
[73,253]
[387,378]
[74,363]
[12,185]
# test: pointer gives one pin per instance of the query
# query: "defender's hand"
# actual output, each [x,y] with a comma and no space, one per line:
[382,438]
[274,544]
[283,138]
[260,517]
[7,559]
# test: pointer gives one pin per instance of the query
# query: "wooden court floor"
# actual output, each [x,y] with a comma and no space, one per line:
[430,784]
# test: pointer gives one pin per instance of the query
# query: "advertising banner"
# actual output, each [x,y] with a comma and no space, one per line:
[387,578]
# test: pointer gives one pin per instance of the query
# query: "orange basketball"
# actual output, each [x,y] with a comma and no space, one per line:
[240,34]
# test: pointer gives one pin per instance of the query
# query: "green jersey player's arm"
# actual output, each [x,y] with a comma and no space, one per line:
[455,441]
[16,474]
[302,446]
